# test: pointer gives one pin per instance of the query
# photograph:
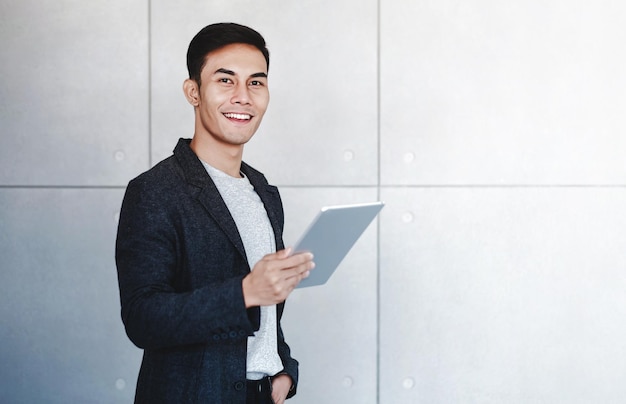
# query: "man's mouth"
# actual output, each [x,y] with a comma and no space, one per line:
[238,117]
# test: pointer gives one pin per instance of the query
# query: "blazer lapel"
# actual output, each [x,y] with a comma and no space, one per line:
[208,195]
[271,200]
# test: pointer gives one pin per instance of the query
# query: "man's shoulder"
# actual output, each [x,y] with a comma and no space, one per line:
[161,172]
[169,168]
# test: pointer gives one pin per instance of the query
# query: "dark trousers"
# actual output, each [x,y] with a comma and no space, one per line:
[259,391]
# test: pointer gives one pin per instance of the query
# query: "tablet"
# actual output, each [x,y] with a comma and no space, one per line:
[331,235]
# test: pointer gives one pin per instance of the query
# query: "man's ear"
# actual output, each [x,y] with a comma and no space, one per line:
[192,92]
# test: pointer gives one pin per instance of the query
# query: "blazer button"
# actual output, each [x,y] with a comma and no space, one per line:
[233,334]
[224,335]
[239,386]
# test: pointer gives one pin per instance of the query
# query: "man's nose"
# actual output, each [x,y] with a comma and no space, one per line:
[241,94]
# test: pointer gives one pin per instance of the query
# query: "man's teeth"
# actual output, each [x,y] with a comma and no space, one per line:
[237,116]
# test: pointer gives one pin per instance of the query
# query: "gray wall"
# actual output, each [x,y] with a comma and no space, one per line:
[494,131]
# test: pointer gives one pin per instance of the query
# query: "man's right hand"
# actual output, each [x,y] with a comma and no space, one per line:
[274,277]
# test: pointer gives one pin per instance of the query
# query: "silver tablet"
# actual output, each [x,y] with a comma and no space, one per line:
[331,235]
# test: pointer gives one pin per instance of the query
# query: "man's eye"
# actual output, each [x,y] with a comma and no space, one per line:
[225,80]
[256,83]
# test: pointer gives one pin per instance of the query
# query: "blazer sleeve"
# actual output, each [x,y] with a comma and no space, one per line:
[156,311]
[289,363]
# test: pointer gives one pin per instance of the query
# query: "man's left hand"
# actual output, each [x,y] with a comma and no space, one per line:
[280,388]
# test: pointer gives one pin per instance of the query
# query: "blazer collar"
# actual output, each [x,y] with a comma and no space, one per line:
[271,200]
[208,195]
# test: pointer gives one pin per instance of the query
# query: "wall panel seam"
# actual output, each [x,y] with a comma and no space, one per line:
[62,187]
[149,44]
[494,186]
[378,192]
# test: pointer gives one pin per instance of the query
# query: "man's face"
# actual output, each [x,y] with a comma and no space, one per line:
[233,96]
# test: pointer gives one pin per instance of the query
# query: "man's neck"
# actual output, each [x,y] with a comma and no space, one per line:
[226,158]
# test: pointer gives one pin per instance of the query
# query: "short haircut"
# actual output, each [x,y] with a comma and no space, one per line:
[216,36]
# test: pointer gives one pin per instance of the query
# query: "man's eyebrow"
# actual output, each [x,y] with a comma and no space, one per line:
[232,73]
[225,71]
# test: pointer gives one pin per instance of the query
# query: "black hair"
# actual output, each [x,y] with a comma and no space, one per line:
[216,36]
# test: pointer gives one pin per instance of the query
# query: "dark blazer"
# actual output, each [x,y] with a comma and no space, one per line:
[180,263]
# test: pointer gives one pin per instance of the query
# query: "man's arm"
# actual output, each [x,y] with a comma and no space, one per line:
[158,310]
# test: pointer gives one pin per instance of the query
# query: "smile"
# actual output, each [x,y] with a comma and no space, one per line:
[240,117]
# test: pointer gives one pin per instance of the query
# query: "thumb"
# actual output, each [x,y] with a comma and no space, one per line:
[285,253]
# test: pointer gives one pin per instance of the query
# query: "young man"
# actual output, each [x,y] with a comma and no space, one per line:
[190,231]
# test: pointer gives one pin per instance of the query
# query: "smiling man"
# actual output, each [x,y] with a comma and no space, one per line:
[202,269]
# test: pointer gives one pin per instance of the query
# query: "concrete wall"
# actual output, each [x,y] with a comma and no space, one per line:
[494,131]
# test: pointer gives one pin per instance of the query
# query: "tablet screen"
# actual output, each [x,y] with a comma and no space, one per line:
[331,235]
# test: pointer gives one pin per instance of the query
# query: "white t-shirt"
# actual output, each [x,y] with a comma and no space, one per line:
[257,235]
